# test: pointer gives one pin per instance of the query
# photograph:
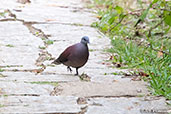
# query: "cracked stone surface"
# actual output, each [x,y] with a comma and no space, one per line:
[29,83]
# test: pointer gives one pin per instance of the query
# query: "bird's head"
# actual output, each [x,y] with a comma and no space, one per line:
[85,40]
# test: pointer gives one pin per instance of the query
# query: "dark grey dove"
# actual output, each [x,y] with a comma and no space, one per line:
[74,56]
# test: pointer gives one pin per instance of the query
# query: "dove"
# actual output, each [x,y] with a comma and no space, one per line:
[75,55]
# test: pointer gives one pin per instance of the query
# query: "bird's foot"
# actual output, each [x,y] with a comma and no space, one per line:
[76,74]
[69,69]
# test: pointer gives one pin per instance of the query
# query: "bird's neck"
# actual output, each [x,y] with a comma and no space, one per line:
[84,43]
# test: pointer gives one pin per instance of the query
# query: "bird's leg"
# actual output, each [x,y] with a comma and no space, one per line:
[76,71]
[69,69]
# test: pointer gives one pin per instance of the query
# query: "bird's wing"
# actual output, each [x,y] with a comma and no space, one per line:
[64,56]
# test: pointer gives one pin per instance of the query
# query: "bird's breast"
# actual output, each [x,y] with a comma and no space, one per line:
[79,56]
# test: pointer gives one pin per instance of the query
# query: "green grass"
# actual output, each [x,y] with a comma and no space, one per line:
[146,46]
[45,82]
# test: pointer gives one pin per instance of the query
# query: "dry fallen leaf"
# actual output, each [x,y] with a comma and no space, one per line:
[40,70]
[24,1]
[99,17]
[37,70]
[103,63]
[136,78]
[115,81]
[111,57]
[129,108]
[160,53]
[0,90]
[81,100]
[85,77]
[48,20]
[143,74]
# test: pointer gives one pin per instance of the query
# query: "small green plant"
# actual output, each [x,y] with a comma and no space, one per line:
[105,73]
[77,24]
[37,33]
[48,58]
[1,105]
[42,47]
[1,70]
[91,50]
[2,14]
[115,73]
[49,42]
[45,82]
[51,65]
[5,95]
[26,105]
[43,39]
[140,95]
[10,45]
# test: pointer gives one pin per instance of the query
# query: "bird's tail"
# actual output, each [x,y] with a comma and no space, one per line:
[57,62]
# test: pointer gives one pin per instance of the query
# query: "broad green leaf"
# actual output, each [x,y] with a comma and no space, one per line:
[167,19]
[119,9]
[154,1]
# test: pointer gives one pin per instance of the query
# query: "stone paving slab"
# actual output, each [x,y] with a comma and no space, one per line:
[88,89]
[127,106]
[22,88]
[10,4]
[54,14]
[18,46]
[31,77]
[69,104]
[42,104]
